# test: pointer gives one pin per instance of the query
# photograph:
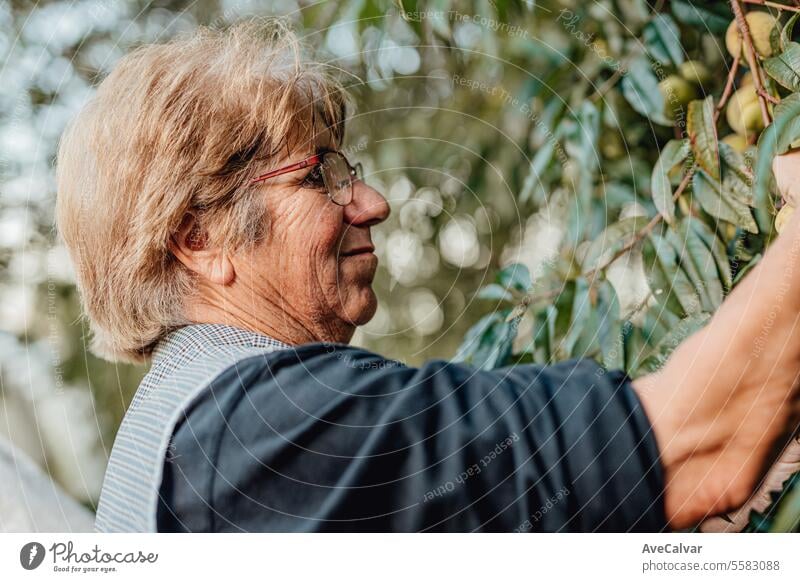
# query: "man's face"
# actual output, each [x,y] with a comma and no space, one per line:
[316,263]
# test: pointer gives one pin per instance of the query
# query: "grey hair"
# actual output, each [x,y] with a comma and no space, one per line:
[179,129]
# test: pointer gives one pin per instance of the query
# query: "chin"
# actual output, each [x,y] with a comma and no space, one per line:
[361,308]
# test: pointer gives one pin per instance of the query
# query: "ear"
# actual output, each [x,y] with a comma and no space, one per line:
[191,247]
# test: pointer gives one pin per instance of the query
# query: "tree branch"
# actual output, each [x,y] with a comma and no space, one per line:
[752,59]
[726,93]
[770,4]
[687,178]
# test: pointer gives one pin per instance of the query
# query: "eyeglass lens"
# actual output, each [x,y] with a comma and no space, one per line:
[338,179]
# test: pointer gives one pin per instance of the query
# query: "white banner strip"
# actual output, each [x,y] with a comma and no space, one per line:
[401,557]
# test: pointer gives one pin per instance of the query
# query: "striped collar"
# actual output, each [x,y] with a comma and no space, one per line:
[185,363]
[198,337]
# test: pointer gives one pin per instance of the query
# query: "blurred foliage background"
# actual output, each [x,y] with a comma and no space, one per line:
[567,179]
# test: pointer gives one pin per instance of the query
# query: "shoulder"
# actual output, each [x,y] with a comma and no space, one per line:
[312,374]
[291,386]
[318,373]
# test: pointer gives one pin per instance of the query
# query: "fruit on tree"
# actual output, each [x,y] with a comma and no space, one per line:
[744,112]
[695,72]
[677,93]
[729,230]
[736,141]
[763,30]
[783,217]
[611,145]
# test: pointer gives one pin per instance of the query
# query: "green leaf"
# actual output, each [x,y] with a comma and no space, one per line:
[774,140]
[700,265]
[704,16]
[581,314]
[494,291]
[659,354]
[544,334]
[779,504]
[663,40]
[786,33]
[539,164]
[747,268]
[487,344]
[640,88]
[703,135]
[737,177]
[611,241]
[612,349]
[515,276]
[721,204]
[785,67]
[717,249]
[635,345]
[788,516]
[673,154]
[671,272]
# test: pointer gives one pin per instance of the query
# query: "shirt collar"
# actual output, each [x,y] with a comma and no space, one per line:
[201,335]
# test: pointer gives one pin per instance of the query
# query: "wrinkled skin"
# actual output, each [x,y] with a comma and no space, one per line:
[309,279]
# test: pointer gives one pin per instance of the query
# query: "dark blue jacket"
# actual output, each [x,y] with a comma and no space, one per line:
[335,438]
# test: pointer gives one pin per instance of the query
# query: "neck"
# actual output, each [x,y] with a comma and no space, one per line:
[280,322]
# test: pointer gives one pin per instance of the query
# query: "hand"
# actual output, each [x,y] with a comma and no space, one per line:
[729,396]
[787,176]
[788,463]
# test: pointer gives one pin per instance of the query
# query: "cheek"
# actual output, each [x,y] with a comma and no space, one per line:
[322,238]
[318,243]
[307,233]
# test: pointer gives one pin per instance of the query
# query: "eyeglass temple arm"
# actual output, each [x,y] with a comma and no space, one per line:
[315,159]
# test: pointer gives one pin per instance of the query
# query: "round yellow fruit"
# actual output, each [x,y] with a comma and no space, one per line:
[695,72]
[763,30]
[744,112]
[747,79]
[736,141]
[783,217]
[611,145]
[677,92]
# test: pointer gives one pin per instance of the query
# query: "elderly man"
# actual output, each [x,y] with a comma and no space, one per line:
[217,230]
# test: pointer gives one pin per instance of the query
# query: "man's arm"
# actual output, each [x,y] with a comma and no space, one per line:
[727,399]
[344,440]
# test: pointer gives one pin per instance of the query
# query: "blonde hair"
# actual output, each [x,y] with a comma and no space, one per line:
[179,129]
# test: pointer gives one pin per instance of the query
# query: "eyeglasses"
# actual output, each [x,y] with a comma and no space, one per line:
[337,174]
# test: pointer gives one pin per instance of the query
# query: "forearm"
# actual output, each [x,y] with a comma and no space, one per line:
[732,379]
[755,333]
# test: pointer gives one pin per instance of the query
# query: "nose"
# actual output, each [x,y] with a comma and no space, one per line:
[368,207]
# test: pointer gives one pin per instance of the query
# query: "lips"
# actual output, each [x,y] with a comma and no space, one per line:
[363,250]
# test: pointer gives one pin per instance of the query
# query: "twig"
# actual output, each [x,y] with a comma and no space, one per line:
[687,178]
[684,183]
[613,79]
[770,4]
[767,96]
[728,90]
[752,60]
[529,298]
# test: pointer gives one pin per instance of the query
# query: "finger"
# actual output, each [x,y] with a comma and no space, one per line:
[788,463]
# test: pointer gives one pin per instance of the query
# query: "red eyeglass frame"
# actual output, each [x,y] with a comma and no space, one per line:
[313,160]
